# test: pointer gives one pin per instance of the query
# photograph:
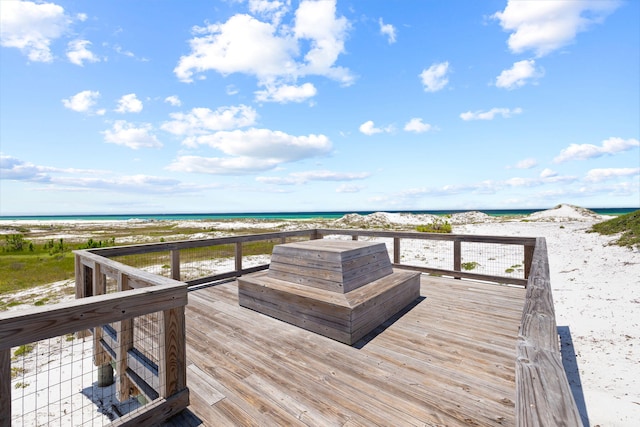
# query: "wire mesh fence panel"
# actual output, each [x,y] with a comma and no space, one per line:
[158,263]
[493,259]
[58,382]
[54,383]
[207,261]
[427,253]
[258,252]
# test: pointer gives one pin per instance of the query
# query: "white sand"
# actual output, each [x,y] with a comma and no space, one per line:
[596,290]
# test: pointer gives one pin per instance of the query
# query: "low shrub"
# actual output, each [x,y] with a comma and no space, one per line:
[438,226]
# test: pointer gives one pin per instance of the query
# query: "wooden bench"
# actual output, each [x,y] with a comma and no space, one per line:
[340,289]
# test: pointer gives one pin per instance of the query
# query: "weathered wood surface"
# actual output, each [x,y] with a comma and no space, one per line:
[333,265]
[35,324]
[449,360]
[344,317]
[544,395]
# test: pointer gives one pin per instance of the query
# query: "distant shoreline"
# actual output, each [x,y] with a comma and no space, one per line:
[282,215]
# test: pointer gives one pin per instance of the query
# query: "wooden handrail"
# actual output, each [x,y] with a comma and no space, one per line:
[543,395]
[40,323]
[174,248]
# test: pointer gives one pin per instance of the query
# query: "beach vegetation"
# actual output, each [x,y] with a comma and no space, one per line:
[438,226]
[628,226]
[23,350]
[15,243]
[472,265]
[17,371]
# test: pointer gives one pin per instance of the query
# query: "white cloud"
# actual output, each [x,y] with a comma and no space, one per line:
[286,93]
[416,125]
[435,77]
[518,75]
[77,52]
[388,30]
[548,173]
[545,26]
[129,104]
[272,10]
[525,164]
[368,128]
[597,175]
[268,50]
[201,121]
[127,134]
[173,100]
[31,27]
[588,151]
[266,144]
[12,168]
[491,114]
[221,165]
[82,101]
[251,151]
[349,188]
[319,175]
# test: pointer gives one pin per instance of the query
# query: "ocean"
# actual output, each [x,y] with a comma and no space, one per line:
[279,215]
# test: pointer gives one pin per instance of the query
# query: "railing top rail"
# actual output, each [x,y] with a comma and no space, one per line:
[89,258]
[543,393]
[39,323]
[187,244]
[509,240]
[196,243]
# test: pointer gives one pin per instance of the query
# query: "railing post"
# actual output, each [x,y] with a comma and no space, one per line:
[100,355]
[457,256]
[5,387]
[528,259]
[124,331]
[396,250]
[175,264]
[238,257]
[84,286]
[172,368]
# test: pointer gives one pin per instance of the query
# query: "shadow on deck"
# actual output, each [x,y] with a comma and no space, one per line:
[448,359]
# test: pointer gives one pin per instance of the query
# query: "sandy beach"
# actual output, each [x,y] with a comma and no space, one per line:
[596,291]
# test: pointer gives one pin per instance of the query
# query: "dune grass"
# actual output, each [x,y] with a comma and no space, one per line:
[628,225]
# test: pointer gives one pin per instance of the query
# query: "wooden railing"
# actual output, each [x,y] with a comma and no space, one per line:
[396,239]
[140,294]
[543,395]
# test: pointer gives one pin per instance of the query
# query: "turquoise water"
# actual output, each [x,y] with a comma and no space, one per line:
[281,215]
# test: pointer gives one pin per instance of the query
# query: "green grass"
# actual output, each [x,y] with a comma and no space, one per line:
[628,225]
[23,270]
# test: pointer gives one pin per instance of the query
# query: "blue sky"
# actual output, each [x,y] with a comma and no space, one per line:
[253,106]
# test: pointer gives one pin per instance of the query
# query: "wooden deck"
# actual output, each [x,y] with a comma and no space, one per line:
[447,360]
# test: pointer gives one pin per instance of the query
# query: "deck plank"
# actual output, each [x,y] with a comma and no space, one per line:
[448,360]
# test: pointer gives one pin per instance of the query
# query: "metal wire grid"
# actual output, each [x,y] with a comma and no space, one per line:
[493,259]
[427,253]
[207,261]
[55,382]
[158,263]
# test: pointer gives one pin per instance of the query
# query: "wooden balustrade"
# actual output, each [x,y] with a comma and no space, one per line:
[155,294]
[543,395]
